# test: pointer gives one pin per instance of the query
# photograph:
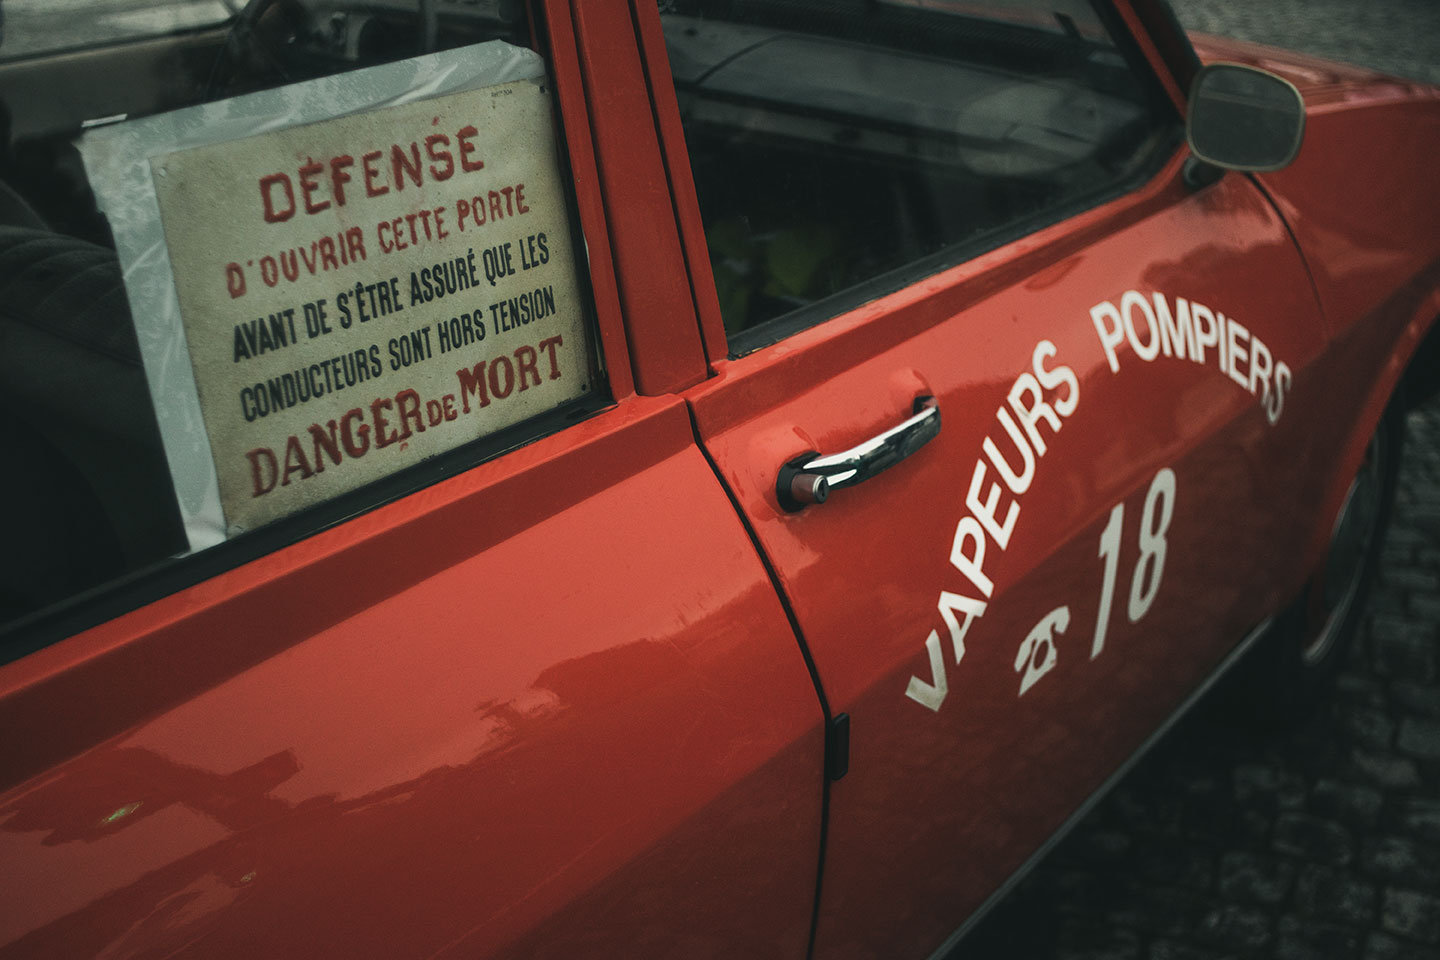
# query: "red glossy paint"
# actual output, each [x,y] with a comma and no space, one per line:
[507,716]
[665,346]
[1372,246]
[992,773]
[682,181]
[554,706]
[575,122]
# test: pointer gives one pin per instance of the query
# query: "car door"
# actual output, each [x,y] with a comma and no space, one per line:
[962,246]
[535,696]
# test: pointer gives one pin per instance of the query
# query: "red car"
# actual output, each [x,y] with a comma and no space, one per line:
[502,478]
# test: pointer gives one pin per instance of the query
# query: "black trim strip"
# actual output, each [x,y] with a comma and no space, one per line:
[829,745]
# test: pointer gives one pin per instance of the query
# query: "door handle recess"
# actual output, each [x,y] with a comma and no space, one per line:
[810,477]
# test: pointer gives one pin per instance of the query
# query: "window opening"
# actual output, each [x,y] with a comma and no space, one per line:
[836,143]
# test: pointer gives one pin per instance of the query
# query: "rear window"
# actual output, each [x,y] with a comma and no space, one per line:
[262,269]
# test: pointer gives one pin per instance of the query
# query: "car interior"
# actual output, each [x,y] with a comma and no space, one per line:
[98,502]
[834,143]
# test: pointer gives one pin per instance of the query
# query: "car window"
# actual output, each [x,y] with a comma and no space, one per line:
[266,265]
[50,26]
[833,144]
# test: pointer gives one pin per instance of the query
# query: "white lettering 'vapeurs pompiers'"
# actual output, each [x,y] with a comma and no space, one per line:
[1152,328]
[1038,402]
[363,292]
[1049,395]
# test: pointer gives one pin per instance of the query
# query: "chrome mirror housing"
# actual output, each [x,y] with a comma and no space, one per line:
[1243,118]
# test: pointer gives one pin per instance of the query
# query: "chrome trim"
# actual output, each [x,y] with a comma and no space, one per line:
[810,478]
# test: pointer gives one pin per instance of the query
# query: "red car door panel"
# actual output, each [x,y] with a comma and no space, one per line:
[987,692]
[469,715]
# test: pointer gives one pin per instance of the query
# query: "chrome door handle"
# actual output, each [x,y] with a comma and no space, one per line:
[810,477]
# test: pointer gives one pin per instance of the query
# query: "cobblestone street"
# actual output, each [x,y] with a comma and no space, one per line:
[1322,841]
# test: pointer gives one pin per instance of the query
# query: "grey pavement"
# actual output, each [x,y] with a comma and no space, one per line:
[1322,841]
[1397,36]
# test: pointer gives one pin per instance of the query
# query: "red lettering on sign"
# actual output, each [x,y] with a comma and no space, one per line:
[407,405]
[462,136]
[267,192]
[406,163]
[403,165]
[295,462]
[473,381]
[550,344]
[264,471]
[382,439]
[438,156]
[308,186]
[371,172]
[338,176]
[234,280]
[355,439]
[525,358]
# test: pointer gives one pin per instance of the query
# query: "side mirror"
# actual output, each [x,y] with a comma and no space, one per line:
[1241,118]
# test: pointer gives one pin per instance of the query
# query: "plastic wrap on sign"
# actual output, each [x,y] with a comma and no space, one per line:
[339,278]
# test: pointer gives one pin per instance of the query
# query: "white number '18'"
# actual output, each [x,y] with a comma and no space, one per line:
[1145,582]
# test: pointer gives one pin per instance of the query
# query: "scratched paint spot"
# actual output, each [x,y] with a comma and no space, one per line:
[122,813]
